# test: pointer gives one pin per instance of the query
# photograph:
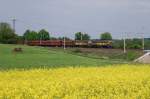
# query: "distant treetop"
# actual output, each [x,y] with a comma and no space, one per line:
[106,36]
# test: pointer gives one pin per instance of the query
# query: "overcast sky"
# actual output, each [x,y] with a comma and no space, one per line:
[70,16]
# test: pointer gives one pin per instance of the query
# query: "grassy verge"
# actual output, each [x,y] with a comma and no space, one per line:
[99,53]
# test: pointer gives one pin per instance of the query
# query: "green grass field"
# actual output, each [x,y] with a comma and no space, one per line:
[39,57]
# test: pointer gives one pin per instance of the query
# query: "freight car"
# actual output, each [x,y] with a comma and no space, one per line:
[72,43]
[81,43]
[33,43]
[68,43]
[53,43]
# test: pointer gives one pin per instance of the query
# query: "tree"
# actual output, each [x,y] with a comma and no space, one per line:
[86,37]
[26,35]
[78,36]
[30,35]
[33,35]
[106,36]
[147,43]
[43,35]
[134,43]
[81,36]
[7,34]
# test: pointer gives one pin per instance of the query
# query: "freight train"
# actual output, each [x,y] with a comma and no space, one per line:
[72,43]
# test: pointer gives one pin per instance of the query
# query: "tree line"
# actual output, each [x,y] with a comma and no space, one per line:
[8,36]
[134,43]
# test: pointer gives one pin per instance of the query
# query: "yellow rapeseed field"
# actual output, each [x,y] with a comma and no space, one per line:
[112,82]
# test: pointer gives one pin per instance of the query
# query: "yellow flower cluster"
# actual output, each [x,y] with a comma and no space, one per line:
[112,82]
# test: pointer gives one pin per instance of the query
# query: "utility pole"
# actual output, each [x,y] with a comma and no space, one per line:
[64,42]
[25,41]
[41,37]
[143,42]
[81,36]
[143,38]
[124,43]
[14,24]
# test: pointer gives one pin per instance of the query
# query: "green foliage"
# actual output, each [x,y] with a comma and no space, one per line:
[106,36]
[78,36]
[26,35]
[7,34]
[86,37]
[147,44]
[117,44]
[43,35]
[131,43]
[130,55]
[33,35]
[81,36]
[30,35]
[134,43]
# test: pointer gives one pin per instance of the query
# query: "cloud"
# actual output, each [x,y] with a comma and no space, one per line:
[93,16]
